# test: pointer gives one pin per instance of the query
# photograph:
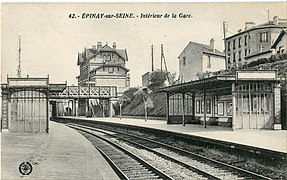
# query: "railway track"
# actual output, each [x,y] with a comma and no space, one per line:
[126,164]
[190,165]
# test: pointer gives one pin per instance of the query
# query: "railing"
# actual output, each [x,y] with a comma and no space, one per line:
[86,92]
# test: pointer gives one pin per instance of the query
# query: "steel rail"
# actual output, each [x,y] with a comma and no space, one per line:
[134,156]
[225,165]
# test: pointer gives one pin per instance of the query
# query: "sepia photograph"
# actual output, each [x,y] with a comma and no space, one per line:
[143,90]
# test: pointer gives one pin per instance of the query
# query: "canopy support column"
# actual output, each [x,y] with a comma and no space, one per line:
[183,108]
[204,110]
[233,106]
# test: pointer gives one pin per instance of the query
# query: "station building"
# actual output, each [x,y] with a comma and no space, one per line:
[102,66]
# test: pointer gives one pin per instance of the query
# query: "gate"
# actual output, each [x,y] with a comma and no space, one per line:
[28,111]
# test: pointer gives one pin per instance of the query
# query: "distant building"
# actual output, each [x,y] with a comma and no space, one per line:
[146,79]
[104,66]
[198,58]
[253,43]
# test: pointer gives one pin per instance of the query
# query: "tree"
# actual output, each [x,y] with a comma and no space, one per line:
[157,79]
[123,98]
[145,94]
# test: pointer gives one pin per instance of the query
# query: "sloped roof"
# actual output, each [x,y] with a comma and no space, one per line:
[123,53]
[110,65]
[269,24]
[107,48]
[80,58]
[282,33]
[256,53]
[205,49]
[90,53]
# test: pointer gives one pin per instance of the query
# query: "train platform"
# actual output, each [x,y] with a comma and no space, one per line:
[62,154]
[274,140]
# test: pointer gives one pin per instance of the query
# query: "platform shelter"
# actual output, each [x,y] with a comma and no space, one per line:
[25,105]
[243,100]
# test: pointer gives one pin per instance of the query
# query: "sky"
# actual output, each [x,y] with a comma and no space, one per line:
[50,40]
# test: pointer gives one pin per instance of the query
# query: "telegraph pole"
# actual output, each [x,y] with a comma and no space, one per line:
[152,67]
[224,38]
[19,58]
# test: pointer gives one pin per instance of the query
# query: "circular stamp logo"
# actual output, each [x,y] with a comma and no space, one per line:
[25,168]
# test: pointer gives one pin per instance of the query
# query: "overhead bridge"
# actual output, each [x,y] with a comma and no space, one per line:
[61,91]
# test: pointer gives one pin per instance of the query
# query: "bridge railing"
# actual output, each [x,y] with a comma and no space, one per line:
[86,92]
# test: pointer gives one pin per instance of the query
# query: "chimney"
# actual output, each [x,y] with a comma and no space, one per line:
[275,20]
[114,45]
[249,25]
[94,47]
[99,45]
[212,44]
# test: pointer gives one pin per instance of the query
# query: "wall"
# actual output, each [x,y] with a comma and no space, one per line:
[193,63]
[111,81]
[216,63]
[111,71]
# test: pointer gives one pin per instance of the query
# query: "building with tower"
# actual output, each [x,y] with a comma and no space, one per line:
[104,66]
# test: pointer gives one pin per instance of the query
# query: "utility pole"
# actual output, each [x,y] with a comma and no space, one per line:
[268,18]
[19,58]
[161,59]
[165,66]
[224,38]
[152,67]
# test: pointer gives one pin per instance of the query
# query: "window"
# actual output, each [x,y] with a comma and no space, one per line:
[245,40]
[197,106]
[118,68]
[228,45]
[228,58]
[104,69]
[183,61]
[239,42]
[229,109]
[234,57]
[208,63]
[111,69]
[208,106]
[280,50]
[245,52]
[202,106]
[239,56]
[264,37]
[220,109]
[234,41]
